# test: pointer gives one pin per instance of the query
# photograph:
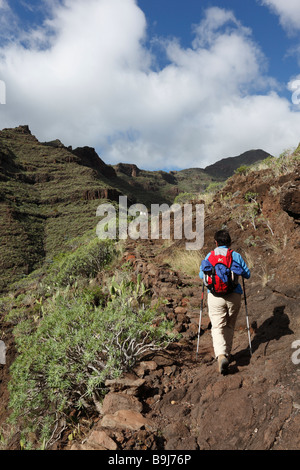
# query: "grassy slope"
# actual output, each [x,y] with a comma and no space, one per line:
[49,195]
[46,199]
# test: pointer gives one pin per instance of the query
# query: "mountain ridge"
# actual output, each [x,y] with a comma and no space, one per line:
[49,194]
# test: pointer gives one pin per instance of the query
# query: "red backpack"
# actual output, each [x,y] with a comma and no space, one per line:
[220,279]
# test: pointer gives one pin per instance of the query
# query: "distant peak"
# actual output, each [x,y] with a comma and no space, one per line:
[22,129]
[89,157]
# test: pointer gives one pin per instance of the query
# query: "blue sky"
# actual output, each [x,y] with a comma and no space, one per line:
[165,84]
[175,17]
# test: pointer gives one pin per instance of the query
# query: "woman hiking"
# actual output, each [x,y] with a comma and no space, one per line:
[219,271]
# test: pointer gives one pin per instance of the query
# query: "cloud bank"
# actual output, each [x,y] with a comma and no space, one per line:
[288,12]
[88,77]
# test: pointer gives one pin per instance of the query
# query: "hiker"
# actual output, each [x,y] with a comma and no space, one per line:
[224,294]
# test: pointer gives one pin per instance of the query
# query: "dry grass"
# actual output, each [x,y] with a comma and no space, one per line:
[249,259]
[186,261]
[264,273]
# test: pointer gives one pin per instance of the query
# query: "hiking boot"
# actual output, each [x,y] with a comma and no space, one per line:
[223,364]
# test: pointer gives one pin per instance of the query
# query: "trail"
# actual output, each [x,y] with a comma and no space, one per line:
[172,401]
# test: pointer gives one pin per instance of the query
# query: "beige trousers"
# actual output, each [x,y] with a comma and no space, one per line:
[223,312]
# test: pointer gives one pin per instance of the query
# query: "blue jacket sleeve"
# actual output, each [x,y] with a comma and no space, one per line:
[201,272]
[238,259]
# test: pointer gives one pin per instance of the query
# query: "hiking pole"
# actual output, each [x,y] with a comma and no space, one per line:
[248,328]
[200,318]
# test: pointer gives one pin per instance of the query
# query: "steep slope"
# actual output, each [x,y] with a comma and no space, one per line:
[150,187]
[172,401]
[48,196]
[160,186]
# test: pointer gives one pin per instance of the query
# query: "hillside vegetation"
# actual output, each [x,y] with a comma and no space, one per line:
[49,194]
[101,334]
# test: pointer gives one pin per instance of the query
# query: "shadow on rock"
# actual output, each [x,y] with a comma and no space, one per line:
[272,328]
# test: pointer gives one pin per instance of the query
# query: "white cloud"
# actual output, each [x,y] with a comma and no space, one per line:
[209,28]
[87,78]
[8,21]
[288,11]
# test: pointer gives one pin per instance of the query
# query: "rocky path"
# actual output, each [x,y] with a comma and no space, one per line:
[172,401]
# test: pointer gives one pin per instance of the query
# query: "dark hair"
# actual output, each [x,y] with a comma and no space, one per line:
[223,238]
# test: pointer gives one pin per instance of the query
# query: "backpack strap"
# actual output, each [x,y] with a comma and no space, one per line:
[229,258]
[212,258]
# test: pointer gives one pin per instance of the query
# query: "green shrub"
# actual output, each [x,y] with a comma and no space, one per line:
[183,198]
[86,261]
[268,162]
[242,170]
[64,362]
[251,197]
[287,162]
[214,187]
